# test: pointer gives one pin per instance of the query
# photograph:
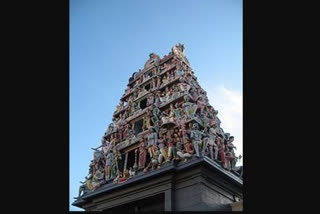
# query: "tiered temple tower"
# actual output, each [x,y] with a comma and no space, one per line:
[165,149]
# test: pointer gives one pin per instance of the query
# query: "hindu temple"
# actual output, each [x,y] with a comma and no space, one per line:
[165,149]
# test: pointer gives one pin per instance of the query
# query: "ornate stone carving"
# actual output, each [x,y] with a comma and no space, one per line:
[164,119]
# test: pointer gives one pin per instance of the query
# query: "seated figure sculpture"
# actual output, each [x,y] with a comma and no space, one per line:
[190,108]
[165,117]
[187,151]
[150,99]
[155,161]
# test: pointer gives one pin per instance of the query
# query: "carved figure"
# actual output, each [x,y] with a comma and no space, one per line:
[211,144]
[142,153]
[162,146]
[152,139]
[190,108]
[150,100]
[196,137]
[171,148]
[146,121]
[109,162]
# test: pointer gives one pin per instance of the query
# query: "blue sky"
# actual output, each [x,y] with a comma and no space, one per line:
[111,39]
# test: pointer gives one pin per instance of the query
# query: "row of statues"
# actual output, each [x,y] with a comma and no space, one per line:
[178,124]
[167,145]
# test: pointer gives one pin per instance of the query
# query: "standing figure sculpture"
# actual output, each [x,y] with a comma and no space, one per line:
[109,162]
[211,144]
[231,148]
[146,121]
[162,146]
[196,137]
[152,139]
[142,153]
[117,157]
[171,148]
[221,150]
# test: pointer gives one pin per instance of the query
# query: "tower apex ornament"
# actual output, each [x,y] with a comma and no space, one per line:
[178,50]
[153,59]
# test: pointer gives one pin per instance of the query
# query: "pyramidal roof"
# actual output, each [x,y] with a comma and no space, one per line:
[163,118]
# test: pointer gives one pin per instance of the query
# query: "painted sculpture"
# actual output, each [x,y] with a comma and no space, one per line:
[174,123]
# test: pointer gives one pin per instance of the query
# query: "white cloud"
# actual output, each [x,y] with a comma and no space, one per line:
[229,105]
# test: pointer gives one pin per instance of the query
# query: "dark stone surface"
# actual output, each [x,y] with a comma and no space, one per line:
[198,185]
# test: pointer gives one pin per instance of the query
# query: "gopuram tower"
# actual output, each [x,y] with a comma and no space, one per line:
[165,149]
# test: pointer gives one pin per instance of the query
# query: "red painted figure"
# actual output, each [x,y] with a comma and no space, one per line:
[142,153]
[189,148]
[221,148]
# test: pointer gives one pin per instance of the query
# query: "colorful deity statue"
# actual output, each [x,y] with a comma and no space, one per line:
[162,146]
[156,112]
[172,75]
[116,159]
[233,158]
[142,91]
[189,149]
[175,92]
[169,94]
[97,179]
[196,137]
[171,114]
[162,96]
[190,108]
[146,121]
[177,112]
[152,138]
[168,77]
[171,148]
[201,104]
[180,72]
[179,146]
[159,81]
[142,153]
[221,151]
[120,126]
[165,80]
[155,161]
[165,117]
[212,143]
[157,99]
[150,99]
[184,87]
[154,83]
[109,162]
